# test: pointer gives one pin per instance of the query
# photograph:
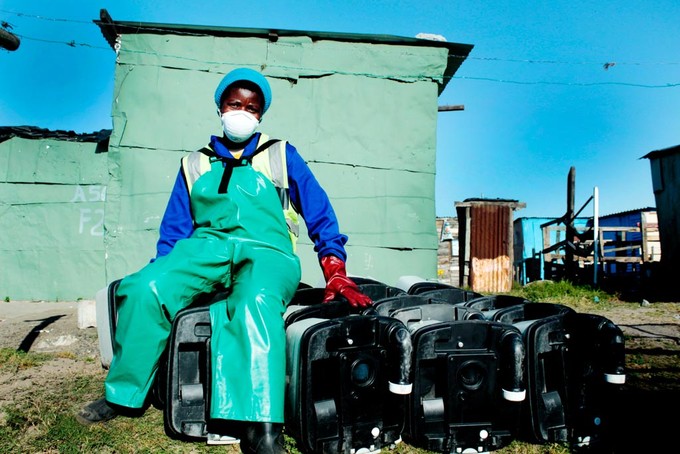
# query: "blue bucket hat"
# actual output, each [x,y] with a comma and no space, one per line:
[249,75]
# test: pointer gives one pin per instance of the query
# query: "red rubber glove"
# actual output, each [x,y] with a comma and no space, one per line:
[337,283]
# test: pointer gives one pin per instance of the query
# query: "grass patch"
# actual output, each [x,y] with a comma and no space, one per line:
[44,422]
[19,360]
[580,298]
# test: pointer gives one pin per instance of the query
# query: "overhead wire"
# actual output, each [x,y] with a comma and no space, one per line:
[576,84]
[53,19]
[71,43]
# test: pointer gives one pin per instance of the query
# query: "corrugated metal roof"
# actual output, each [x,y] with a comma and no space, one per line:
[662,152]
[513,204]
[33,132]
[627,212]
[617,213]
[110,29]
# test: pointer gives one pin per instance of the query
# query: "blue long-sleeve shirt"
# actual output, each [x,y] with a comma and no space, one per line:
[306,194]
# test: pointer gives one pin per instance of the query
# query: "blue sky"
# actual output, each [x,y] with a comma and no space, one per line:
[549,84]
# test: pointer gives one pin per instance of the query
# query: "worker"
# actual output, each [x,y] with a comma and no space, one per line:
[231,223]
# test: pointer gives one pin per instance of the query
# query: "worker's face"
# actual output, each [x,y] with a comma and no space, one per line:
[241,98]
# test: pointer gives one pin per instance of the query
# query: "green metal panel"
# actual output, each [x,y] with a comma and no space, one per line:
[52,204]
[358,121]
[382,208]
[128,251]
[147,171]
[162,108]
[199,53]
[291,57]
[169,106]
[44,216]
[135,206]
[113,30]
[55,274]
[390,62]
[335,119]
[385,265]
[51,161]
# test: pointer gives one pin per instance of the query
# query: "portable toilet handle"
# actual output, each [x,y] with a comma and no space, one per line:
[513,354]
[401,349]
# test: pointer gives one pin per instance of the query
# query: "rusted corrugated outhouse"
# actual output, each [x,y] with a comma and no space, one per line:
[485,236]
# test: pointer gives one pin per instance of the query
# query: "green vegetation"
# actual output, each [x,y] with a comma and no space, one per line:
[18,360]
[580,298]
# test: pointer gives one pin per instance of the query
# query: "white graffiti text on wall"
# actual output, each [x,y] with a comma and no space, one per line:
[91,219]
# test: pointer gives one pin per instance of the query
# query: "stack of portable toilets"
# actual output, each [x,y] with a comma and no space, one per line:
[447,369]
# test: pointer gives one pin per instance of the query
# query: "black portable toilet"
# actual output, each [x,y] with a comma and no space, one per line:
[308,297]
[186,373]
[596,373]
[183,386]
[490,304]
[183,379]
[387,306]
[546,339]
[449,294]
[380,291]
[414,285]
[468,380]
[308,303]
[347,378]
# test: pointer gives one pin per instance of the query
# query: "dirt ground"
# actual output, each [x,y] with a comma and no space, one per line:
[42,327]
[649,401]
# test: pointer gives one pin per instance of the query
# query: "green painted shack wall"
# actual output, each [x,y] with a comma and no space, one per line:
[75,215]
[362,115]
[52,205]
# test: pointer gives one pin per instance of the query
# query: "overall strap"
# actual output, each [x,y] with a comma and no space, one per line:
[264,146]
[229,164]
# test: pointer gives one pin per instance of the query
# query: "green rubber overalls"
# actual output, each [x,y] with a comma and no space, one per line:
[241,242]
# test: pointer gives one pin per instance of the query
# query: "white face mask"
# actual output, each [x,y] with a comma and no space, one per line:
[239,125]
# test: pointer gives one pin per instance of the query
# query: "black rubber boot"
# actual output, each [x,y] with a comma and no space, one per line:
[101,411]
[263,438]
[95,412]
